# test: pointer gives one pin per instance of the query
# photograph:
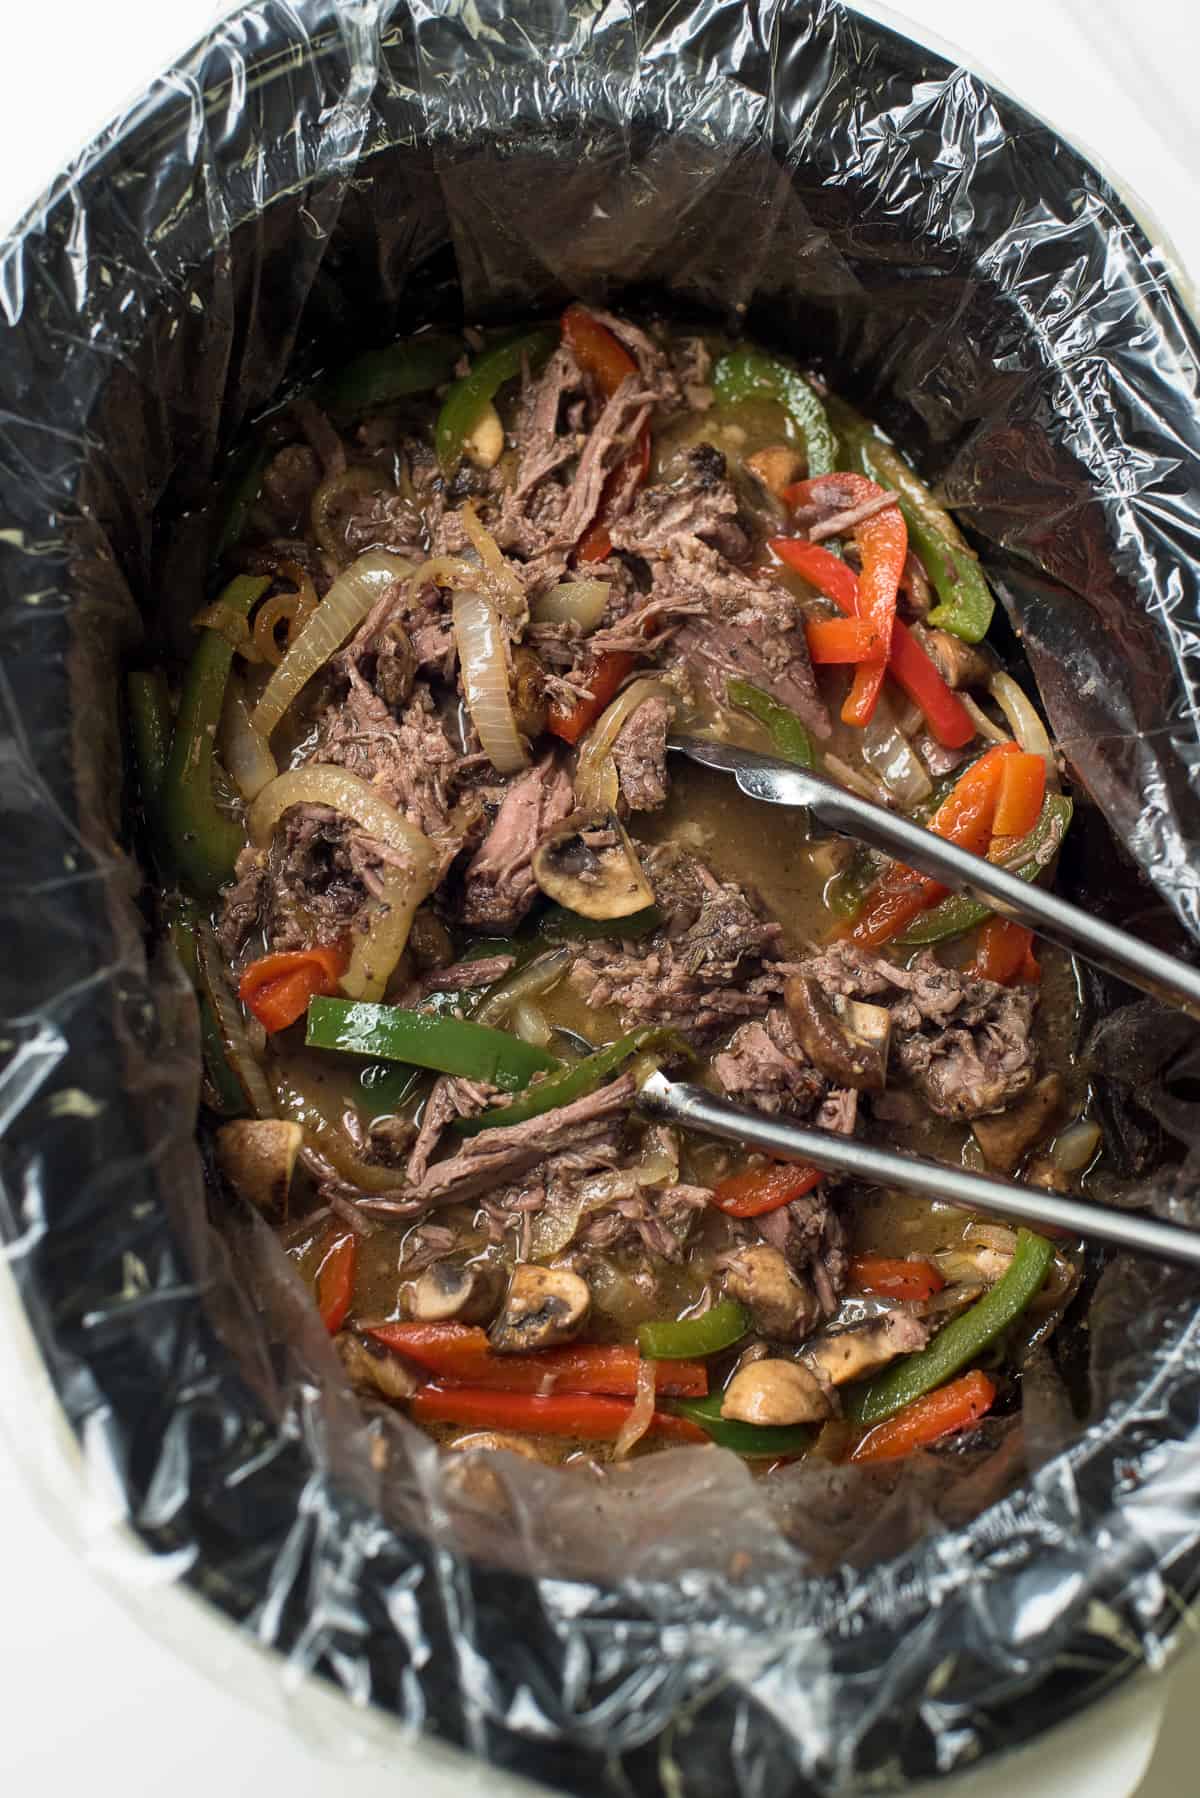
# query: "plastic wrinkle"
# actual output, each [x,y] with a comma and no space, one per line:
[313,177]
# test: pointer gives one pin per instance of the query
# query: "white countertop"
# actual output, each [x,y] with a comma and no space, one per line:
[100,1694]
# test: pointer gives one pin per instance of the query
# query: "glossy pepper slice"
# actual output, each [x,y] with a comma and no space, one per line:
[604,676]
[685,1338]
[962,1340]
[461,1353]
[762,1189]
[1005,953]
[746,374]
[606,360]
[789,739]
[202,842]
[277,988]
[1019,800]
[897,1279]
[587,1415]
[376,378]
[965,818]
[882,541]
[335,1281]
[1026,859]
[754,1442]
[470,396]
[941,1413]
[914,672]
[569,1084]
[966,605]
[448,1045]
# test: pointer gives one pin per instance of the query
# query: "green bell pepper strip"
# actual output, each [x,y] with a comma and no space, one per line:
[962,1340]
[1026,859]
[411,365]
[150,725]
[966,603]
[202,842]
[449,1045]
[573,1083]
[688,1338]
[746,374]
[789,738]
[756,1442]
[558,925]
[182,918]
[382,1088]
[464,405]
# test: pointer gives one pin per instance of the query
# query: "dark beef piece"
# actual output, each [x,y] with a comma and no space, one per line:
[314,892]
[964,1043]
[289,481]
[651,1220]
[541,446]
[809,1233]
[764,1066]
[618,425]
[450,1097]
[384,520]
[692,362]
[640,755]
[702,505]
[409,759]
[700,976]
[653,362]
[838,1111]
[242,903]
[499,886]
[497,1157]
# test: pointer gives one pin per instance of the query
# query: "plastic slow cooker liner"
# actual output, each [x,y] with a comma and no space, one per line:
[310,181]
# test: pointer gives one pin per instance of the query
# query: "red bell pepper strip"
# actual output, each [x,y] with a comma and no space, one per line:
[606,360]
[954,1407]
[462,1354]
[582,1414]
[762,1189]
[833,640]
[604,678]
[1019,801]
[1005,953]
[883,545]
[964,817]
[335,1281]
[895,1279]
[909,666]
[277,988]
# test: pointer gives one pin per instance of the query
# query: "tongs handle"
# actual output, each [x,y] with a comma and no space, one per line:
[777,782]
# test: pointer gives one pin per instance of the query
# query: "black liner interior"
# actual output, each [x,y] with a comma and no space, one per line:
[310,181]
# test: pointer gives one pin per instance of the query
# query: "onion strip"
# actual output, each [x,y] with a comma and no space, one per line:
[1027,727]
[596,785]
[244,755]
[509,592]
[341,611]
[531,981]
[890,756]
[987,727]
[642,1415]
[373,955]
[572,602]
[483,662]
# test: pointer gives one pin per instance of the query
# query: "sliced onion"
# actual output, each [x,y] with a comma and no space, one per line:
[1075,1147]
[375,953]
[228,624]
[642,1415]
[987,727]
[510,594]
[329,496]
[853,780]
[483,659]
[530,982]
[596,786]
[244,755]
[890,755]
[230,1022]
[572,602]
[531,1024]
[297,608]
[340,612]
[1027,727]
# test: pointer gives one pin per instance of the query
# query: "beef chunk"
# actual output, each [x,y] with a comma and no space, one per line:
[450,1097]
[809,1234]
[314,890]
[765,1066]
[964,1043]
[653,1221]
[242,903]
[499,887]
[702,505]
[383,520]
[654,365]
[541,446]
[640,755]
[410,759]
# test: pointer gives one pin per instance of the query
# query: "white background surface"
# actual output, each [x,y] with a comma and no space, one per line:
[94,1701]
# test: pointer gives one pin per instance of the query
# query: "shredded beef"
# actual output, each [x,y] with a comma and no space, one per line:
[450,1097]
[654,365]
[616,429]
[809,1233]
[242,903]
[640,756]
[313,888]
[964,1043]
[764,1066]
[703,505]
[655,1221]
[498,885]
[383,520]
[541,446]
[410,759]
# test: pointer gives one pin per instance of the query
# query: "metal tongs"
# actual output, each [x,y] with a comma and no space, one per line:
[776,782]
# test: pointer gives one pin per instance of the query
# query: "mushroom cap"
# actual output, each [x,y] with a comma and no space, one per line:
[543,1305]
[258,1156]
[775,1392]
[590,866]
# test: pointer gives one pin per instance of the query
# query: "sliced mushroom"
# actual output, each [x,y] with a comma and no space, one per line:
[776,466]
[467,1291]
[258,1156]
[485,444]
[1005,1138]
[782,1305]
[843,1355]
[591,867]
[371,1367]
[959,664]
[845,1039]
[528,692]
[775,1392]
[940,1308]
[543,1305]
